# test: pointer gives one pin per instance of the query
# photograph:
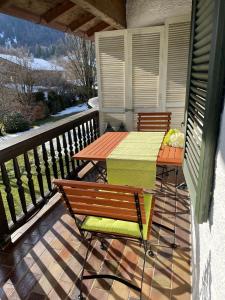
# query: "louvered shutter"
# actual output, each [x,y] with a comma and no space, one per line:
[146,46]
[129,73]
[110,50]
[204,101]
[177,43]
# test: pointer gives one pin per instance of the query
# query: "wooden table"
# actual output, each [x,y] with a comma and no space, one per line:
[100,149]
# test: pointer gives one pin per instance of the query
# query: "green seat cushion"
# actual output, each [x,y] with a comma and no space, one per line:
[99,224]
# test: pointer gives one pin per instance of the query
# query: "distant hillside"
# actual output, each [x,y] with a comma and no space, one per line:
[40,40]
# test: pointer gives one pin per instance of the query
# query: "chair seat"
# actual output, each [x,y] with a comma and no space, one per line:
[99,224]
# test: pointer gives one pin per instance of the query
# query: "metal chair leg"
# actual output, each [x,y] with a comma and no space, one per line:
[143,270]
[147,250]
[81,297]
[103,245]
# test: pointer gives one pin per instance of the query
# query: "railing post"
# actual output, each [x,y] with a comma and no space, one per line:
[4,229]
[47,153]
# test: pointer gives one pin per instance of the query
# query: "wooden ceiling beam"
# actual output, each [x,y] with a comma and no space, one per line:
[112,12]
[27,15]
[4,3]
[82,20]
[99,27]
[57,11]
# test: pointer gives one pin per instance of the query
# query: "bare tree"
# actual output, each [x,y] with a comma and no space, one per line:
[17,82]
[81,65]
[22,77]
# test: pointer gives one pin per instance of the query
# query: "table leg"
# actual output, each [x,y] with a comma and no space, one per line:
[100,170]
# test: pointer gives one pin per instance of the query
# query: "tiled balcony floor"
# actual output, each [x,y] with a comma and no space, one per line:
[46,263]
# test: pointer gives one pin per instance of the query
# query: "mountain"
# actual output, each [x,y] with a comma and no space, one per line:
[40,40]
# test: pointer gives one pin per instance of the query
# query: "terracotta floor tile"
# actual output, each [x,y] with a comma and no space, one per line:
[97,294]
[128,263]
[26,285]
[7,290]
[162,278]
[62,292]
[46,263]
[115,250]
[118,291]
[160,294]
[108,267]
[36,296]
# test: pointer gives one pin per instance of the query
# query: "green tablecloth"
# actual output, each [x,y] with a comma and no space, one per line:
[133,161]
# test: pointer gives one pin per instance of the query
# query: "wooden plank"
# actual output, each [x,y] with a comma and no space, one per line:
[170,156]
[77,24]
[112,12]
[102,202]
[102,147]
[103,194]
[155,118]
[157,121]
[98,213]
[30,16]
[57,11]
[99,27]
[153,122]
[94,185]
[155,114]
[150,128]
[4,3]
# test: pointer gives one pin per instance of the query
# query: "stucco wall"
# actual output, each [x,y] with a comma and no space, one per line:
[142,13]
[209,238]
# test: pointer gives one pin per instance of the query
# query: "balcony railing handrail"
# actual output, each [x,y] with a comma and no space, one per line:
[18,145]
[28,164]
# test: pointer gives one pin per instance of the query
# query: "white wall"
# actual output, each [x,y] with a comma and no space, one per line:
[209,238]
[142,13]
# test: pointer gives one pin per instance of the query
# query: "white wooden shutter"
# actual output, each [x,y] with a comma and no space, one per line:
[177,48]
[146,51]
[110,55]
[112,71]
[141,70]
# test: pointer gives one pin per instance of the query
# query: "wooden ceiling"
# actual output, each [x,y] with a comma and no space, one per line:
[81,17]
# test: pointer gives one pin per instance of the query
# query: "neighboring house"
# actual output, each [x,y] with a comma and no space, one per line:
[36,64]
[43,70]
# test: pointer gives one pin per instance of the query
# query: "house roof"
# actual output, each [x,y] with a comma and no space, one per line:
[82,17]
[36,64]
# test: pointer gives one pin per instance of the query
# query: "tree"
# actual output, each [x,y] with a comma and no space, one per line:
[81,65]
[17,83]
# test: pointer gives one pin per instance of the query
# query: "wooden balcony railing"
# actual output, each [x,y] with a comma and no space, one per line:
[30,162]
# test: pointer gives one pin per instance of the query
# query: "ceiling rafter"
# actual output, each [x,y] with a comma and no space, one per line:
[29,16]
[98,27]
[112,12]
[77,24]
[57,11]
[4,3]
[90,15]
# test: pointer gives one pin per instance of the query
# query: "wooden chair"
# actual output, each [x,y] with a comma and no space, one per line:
[111,211]
[156,121]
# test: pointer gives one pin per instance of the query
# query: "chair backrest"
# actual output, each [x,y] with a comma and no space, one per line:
[103,200]
[157,121]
